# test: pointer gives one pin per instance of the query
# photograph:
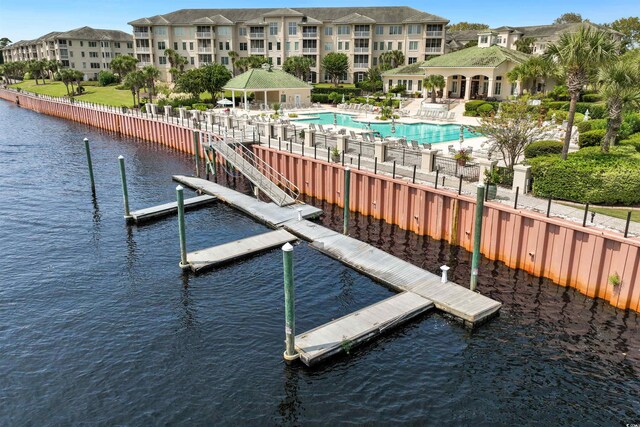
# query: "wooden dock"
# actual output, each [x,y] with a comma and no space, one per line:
[166,209]
[343,334]
[221,254]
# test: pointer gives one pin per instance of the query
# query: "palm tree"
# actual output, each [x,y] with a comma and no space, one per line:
[53,66]
[177,63]
[391,59]
[233,55]
[433,83]
[135,81]
[299,66]
[620,89]
[123,65]
[524,45]
[151,74]
[578,54]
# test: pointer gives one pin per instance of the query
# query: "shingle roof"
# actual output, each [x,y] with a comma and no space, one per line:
[478,57]
[407,70]
[88,33]
[391,14]
[260,79]
[355,18]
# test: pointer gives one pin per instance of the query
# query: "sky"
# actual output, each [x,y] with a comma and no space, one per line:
[29,19]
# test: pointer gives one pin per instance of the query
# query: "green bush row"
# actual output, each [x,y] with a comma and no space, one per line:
[596,111]
[591,125]
[592,138]
[542,148]
[562,115]
[589,175]
[632,141]
[320,97]
[591,97]
[340,90]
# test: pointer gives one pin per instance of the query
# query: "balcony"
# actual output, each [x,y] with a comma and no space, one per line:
[360,65]
[144,63]
[143,49]
[64,55]
[310,35]
[141,34]
[205,49]
[257,50]
[434,33]
[366,34]
[203,35]
[309,50]
[361,49]
[256,35]
[433,50]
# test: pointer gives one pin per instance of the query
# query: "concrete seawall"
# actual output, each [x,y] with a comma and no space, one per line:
[565,252]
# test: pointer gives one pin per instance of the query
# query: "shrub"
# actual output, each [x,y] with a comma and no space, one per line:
[485,109]
[320,97]
[559,93]
[27,76]
[591,125]
[340,90]
[591,97]
[199,106]
[106,78]
[592,138]
[562,115]
[629,126]
[596,111]
[542,148]
[590,176]
[473,105]
[632,141]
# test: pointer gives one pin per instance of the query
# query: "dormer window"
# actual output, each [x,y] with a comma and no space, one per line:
[484,39]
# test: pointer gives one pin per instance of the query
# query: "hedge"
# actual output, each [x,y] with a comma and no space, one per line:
[596,111]
[542,148]
[630,125]
[589,175]
[473,105]
[632,141]
[591,125]
[592,138]
[562,115]
[340,90]
[591,97]
[320,97]
[485,109]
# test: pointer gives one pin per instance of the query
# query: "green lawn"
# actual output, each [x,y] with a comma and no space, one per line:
[100,95]
[614,212]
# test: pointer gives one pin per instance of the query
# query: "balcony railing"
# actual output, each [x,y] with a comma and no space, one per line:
[141,34]
[309,50]
[434,33]
[433,49]
[361,49]
[143,49]
[362,33]
[203,34]
[360,65]
[258,50]
[256,35]
[144,63]
[309,35]
[64,55]
[204,49]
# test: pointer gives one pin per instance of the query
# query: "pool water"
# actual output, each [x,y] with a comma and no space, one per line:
[422,132]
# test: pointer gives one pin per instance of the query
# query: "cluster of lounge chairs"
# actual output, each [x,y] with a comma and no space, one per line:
[356,107]
[439,115]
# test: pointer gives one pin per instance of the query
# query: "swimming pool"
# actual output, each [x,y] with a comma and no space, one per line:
[422,132]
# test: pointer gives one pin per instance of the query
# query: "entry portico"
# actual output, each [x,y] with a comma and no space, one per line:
[477,72]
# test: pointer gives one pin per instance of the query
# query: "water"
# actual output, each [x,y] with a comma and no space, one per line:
[98,325]
[421,132]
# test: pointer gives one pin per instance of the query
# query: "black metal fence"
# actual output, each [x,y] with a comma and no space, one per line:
[469,171]
[404,156]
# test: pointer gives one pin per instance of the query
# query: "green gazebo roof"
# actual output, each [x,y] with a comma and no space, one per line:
[260,79]
[477,57]
[407,70]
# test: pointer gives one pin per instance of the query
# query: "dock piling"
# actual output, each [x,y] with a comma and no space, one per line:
[289,303]
[347,190]
[444,278]
[477,235]
[88,150]
[183,238]
[125,193]
[196,151]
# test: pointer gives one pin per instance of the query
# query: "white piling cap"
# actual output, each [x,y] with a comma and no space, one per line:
[179,188]
[287,247]
[86,139]
[120,157]
[445,268]
[347,169]
[481,185]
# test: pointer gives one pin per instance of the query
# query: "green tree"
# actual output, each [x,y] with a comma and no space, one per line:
[234,56]
[151,74]
[335,65]
[511,130]
[578,54]
[123,65]
[36,67]
[433,83]
[67,77]
[192,82]
[373,80]
[620,89]
[53,66]
[525,45]
[135,81]
[630,28]
[463,26]
[4,42]
[568,18]
[299,66]
[253,61]
[391,59]
[213,78]
[177,63]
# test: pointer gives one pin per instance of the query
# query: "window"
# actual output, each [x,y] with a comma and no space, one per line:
[346,45]
[116,45]
[484,39]
[84,65]
[162,60]
[273,28]
[328,31]
[129,45]
[514,88]
[243,46]
[344,29]
[73,65]
[190,45]
[278,46]
[375,61]
[192,61]
[82,44]
[375,45]
[160,31]
[419,85]
[287,46]
[93,44]
[270,46]
[106,54]
[395,29]
[410,86]
[296,46]
[293,29]
[224,60]
[399,45]
[328,47]
[178,31]
[226,46]
[82,54]
[498,88]
[70,44]
[221,46]
[162,45]
[184,45]
[242,31]
[379,30]
[224,31]
[93,54]
[414,28]
[278,61]
[93,64]
[175,45]
[454,86]
[389,45]
[412,60]
[413,45]
[104,44]
[339,45]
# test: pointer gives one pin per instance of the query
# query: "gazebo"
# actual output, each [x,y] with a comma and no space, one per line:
[275,85]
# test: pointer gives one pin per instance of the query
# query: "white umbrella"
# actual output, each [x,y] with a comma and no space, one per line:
[224,101]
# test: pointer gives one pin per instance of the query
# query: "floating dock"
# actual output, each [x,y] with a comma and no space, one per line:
[155,212]
[342,334]
[221,254]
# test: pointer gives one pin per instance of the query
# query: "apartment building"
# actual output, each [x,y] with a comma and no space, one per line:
[85,49]
[206,36]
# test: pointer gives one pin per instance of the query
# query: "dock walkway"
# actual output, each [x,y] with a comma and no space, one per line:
[155,212]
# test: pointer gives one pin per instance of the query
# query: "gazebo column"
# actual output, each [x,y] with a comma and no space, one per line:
[445,90]
[490,88]
[266,104]
[467,90]
[233,97]
[246,106]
